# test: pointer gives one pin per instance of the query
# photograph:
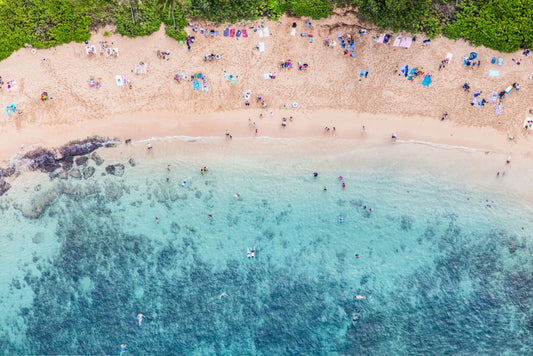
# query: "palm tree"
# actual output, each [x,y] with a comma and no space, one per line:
[171,5]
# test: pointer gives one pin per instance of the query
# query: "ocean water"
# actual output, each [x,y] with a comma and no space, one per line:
[444,261]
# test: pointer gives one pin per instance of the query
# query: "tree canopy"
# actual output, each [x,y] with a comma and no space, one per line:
[502,25]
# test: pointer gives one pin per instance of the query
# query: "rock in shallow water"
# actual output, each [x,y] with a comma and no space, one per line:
[88,172]
[4,187]
[81,161]
[132,163]
[75,173]
[115,169]
[97,159]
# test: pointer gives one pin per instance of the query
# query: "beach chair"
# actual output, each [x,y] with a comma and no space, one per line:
[508,90]
[366,73]
[500,61]
[493,97]
[226,32]
[118,80]
[449,57]
[493,60]
[196,85]
[232,32]
[244,33]
[427,80]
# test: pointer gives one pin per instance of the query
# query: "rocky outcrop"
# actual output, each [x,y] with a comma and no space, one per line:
[4,187]
[63,174]
[88,172]
[115,169]
[81,161]
[42,159]
[132,163]
[7,172]
[83,147]
[67,162]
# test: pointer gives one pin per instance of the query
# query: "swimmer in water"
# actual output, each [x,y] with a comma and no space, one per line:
[236,195]
[140,317]
[325,188]
[157,219]
[354,318]
[360,297]
[183,183]
[122,349]
[222,295]
[210,216]
[315,174]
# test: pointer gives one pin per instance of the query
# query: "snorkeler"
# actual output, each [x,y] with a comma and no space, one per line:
[360,297]
[140,317]
[222,295]
[122,349]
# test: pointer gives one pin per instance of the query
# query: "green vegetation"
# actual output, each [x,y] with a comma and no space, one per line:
[502,25]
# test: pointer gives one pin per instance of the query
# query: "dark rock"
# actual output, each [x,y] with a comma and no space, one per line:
[75,173]
[115,169]
[97,159]
[88,172]
[42,159]
[7,172]
[67,162]
[63,174]
[4,187]
[37,188]
[81,161]
[83,147]
[132,163]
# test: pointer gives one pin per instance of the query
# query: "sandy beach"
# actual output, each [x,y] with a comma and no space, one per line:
[329,93]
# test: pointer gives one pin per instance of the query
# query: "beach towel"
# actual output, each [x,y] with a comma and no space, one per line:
[196,85]
[232,32]
[10,109]
[244,33]
[266,32]
[311,39]
[118,79]
[88,50]
[352,55]
[406,42]
[260,33]
[465,60]
[293,32]
[397,41]
[362,73]
[493,97]
[261,47]
[494,73]
[247,95]
[205,86]
[238,34]
[499,109]
[11,86]
[427,80]
[226,32]
[479,103]
[351,47]
[500,61]
[508,90]
[381,38]
[449,57]
[493,60]
[405,70]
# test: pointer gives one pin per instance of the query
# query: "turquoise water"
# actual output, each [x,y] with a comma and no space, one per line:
[445,264]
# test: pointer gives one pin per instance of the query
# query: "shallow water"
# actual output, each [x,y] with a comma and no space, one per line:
[444,263]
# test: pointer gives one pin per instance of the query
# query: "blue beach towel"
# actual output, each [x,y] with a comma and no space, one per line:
[493,60]
[362,73]
[500,61]
[351,47]
[427,80]
[352,55]
[196,85]
[494,73]
[405,70]
[226,32]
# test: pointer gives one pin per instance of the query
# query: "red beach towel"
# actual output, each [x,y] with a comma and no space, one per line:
[244,33]
[232,32]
